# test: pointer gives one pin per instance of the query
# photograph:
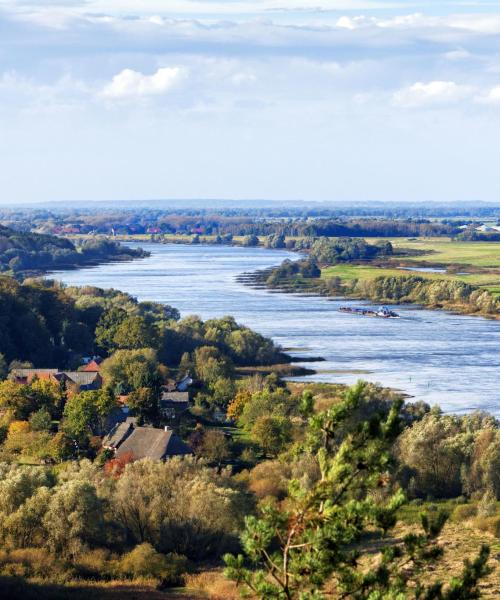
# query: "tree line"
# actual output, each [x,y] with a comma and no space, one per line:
[22,251]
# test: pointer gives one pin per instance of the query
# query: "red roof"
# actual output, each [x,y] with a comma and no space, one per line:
[94,366]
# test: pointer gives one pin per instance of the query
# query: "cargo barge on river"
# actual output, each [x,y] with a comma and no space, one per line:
[383,312]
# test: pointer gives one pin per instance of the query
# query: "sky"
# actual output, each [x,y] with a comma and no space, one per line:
[335,100]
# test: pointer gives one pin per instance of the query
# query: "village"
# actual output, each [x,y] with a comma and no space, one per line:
[122,435]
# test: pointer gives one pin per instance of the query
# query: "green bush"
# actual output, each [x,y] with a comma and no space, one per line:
[145,561]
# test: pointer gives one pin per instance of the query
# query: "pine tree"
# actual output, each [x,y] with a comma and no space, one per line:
[292,551]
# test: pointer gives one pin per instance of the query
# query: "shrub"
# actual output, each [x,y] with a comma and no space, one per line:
[269,479]
[214,585]
[463,512]
[96,564]
[31,562]
[145,561]
[489,524]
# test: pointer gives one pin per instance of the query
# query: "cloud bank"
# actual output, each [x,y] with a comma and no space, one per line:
[249,98]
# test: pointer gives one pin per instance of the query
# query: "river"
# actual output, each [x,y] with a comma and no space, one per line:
[444,359]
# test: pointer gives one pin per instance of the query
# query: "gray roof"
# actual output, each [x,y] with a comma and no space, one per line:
[30,372]
[82,377]
[116,436]
[180,397]
[78,377]
[148,442]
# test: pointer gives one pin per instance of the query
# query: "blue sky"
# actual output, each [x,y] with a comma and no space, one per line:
[303,99]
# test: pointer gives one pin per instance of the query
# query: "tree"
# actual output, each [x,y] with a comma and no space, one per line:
[433,450]
[74,518]
[272,433]
[61,447]
[134,333]
[294,549]
[17,398]
[214,447]
[276,403]
[211,364]
[250,240]
[129,370]
[49,395]
[144,402]
[17,436]
[107,327]
[222,390]
[85,413]
[165,504]
[145,561]
[236,406]
[41,420]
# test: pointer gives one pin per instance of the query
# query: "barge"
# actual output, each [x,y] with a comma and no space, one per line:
[383,312]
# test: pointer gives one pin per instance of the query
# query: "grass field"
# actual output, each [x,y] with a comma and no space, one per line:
[478,262]
[448,252]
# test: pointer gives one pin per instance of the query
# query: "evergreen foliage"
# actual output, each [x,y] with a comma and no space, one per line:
[294,550]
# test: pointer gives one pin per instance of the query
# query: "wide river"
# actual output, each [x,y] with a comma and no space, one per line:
[450,360]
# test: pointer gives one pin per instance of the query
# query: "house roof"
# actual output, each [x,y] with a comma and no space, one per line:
[116,436]
[34,372]
[77,377]
[82,377]
[93,365]
[148,442]
[175,397]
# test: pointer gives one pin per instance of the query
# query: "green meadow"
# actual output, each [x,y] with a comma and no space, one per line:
[477,263]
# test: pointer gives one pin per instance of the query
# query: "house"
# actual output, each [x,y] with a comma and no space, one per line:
[118,434]
[80,380]
[145,442]
[184,384]
[93,365]
[26,376]
[172,404]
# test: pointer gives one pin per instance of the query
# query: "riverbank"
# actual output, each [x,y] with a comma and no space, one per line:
[469,289]
[475,264]
[431,355]
[321,287]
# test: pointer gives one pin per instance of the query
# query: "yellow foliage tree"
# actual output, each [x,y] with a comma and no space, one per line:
[237,404]
[17,427]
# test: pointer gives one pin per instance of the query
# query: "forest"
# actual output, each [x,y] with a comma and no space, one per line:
[22,252]
[396,221]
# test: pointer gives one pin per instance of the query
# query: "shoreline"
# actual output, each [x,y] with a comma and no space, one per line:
[22,275]
[258,280]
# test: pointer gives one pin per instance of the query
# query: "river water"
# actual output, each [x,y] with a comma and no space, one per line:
[444,359]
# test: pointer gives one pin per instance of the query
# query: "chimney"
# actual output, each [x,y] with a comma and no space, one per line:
[167,428]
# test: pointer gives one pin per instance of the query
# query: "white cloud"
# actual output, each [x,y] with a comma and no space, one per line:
[456,55]
[490,97]
[129,83]
[243,78]
[431,93]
